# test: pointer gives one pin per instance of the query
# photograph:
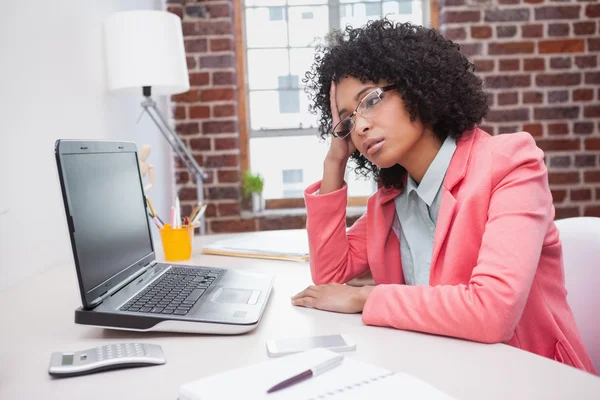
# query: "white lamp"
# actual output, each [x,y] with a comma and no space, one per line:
[145,55]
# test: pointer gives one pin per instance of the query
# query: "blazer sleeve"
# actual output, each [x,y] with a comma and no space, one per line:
[336,254]
[488,308]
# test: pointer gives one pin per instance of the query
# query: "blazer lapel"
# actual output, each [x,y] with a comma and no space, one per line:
[456,172]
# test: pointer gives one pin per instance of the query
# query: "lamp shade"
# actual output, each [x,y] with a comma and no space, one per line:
[145,48]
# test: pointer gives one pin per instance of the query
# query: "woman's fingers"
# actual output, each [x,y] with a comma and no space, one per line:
[307,291]
[335,118]
[305,302]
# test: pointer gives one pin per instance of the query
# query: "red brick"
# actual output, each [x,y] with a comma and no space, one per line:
[199,112]
[231,143]
[481,32]
[534,129]
[507,129]
[224,110]
[508,98]
[179,112]
[585,160]
[195,11]
[583,128]
[534,64]
[533,1]
[224,192]
[507,15]
[510,65]
[229,176]
[584,28]
[511,48]
[558,96]
[488,128]
[222,160]
[506,31]
[555,113]
[224,78]
[561,46]
[566,212]
[558,144]
[558,29]
[592,78]
[597,193]
[560,62]
[591,176]
[583,94]
[532,31]
[187,194]
[200,144]
[182,177]
[593,44]
[592,144]
[191,62]
[459,17]
[557,12]
[221,44]
[591,111]
[187,128]
[219,10]
[484,65]
[560,162]
[217,94]
[233,226]
[190,96]
[219,61]
[592,211]
[287,222]
[586,61]
[471,49]
[196,46]
[507,81]
[228,209]
[558,129]
[517,114]
[207,27]
[592,11]
[563,178]
[211,210]
[219,127]
[489,98]
[199,78]
[533,97]
[558,195]
[452,3]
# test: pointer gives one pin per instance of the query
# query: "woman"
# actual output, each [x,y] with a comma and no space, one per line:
[459,238]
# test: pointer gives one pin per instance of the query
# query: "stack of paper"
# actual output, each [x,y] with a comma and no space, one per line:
[291,245]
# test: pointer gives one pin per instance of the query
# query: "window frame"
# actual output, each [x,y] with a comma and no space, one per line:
[245,133]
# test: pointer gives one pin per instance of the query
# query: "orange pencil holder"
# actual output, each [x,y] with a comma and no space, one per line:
[177,243]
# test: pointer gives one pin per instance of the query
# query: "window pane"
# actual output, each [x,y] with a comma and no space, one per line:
[262,31]
[404,11]
[304,31]
[273,155]
[305,2]
[300,61]
[265,66]
[273,109]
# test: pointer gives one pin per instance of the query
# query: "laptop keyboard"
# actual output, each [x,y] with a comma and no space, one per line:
[175,292]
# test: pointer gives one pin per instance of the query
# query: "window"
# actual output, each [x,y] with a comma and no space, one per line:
[280,39]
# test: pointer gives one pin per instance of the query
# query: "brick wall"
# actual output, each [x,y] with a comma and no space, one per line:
[540,64]
[539,61]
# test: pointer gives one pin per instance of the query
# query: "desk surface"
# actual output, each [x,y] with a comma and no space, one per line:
[38,319]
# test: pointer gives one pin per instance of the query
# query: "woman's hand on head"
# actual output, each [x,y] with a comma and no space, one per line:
[340,150]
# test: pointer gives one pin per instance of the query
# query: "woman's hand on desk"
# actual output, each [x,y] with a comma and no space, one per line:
[334,297]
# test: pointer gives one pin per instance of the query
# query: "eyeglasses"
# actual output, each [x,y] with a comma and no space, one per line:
[366,106]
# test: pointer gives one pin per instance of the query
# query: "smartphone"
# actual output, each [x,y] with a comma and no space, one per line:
[282,347]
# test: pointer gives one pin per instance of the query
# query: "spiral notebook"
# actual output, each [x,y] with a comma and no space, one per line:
[352,380]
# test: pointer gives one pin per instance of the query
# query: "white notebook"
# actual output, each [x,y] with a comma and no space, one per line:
[352,380]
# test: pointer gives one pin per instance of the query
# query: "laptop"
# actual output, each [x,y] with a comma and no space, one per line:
[121,283]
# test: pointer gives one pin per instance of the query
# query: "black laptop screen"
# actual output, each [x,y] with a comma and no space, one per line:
[109,214]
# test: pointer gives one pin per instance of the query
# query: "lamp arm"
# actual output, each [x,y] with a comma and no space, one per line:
[180,149]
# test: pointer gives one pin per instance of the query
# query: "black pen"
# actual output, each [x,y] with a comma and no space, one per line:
[309,373]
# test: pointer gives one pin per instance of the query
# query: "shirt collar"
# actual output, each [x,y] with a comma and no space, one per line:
[434,176]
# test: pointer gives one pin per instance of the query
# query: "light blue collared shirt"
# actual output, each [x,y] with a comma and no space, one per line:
[417,208]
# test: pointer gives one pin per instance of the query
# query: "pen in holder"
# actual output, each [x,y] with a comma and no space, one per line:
[177,242]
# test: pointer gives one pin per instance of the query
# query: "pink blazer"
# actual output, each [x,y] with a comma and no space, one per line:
[496,269]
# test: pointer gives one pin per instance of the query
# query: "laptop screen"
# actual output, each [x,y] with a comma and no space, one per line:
[108,211]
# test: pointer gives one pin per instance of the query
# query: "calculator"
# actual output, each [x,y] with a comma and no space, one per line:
[102,358]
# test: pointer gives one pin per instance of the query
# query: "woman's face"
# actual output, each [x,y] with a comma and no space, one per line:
[386,135]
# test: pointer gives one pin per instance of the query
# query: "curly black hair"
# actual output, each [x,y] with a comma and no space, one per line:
[437,82]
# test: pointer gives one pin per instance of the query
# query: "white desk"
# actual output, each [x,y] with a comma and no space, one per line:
[37,319]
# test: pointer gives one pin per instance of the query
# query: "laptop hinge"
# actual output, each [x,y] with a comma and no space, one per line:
[122,284]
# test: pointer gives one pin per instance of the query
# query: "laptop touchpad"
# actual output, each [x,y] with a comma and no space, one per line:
[239,296]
